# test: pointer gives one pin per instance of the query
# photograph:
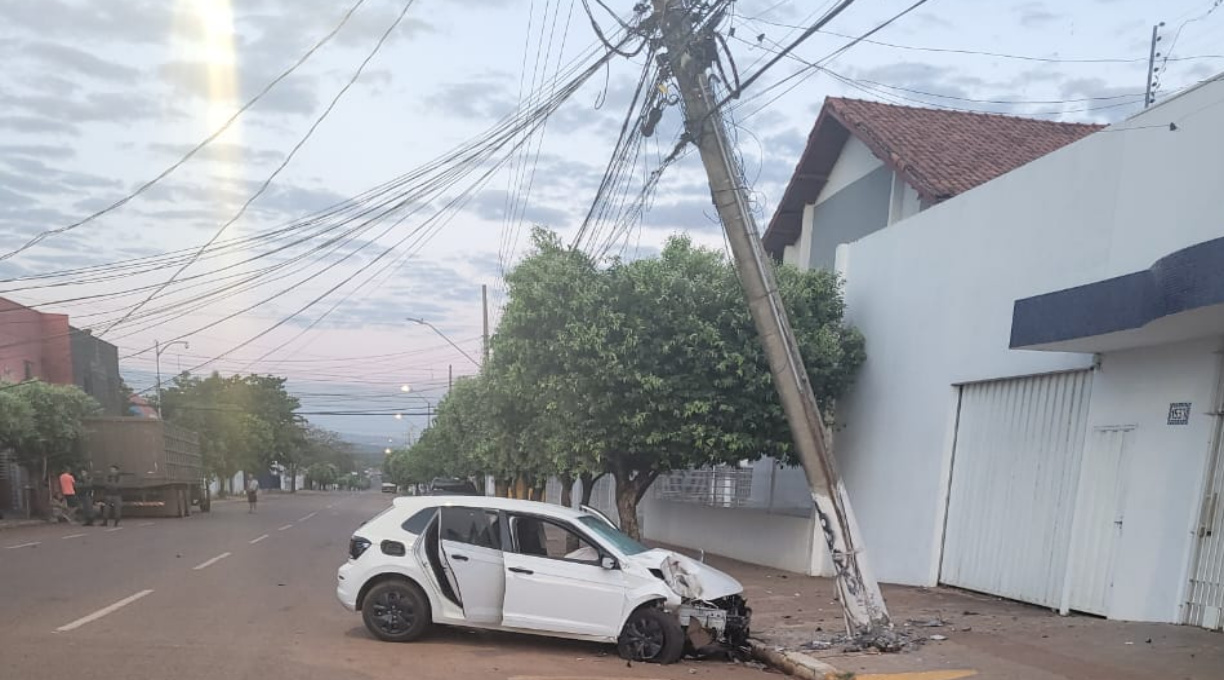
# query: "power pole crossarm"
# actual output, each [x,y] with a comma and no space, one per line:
[864,606]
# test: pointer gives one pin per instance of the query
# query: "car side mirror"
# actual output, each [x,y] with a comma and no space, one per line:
[608,563]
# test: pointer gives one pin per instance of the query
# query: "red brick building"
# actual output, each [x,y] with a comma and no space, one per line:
[34,345]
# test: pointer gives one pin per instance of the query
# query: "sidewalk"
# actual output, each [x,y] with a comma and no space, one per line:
[19,523]
[986,637]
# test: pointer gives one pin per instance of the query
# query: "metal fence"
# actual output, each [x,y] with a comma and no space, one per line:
[764,484]
[719,487]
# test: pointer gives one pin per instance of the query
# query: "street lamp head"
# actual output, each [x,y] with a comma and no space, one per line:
[405,388]
[415,320]
[399,416]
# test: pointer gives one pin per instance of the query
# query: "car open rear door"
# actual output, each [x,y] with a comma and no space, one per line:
[470,548]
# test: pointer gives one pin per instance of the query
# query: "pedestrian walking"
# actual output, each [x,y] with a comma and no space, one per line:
[68,490]
[113,508]
[85,493]
[252,494]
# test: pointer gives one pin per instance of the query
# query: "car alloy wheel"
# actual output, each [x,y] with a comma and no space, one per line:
[393,612]
[396,611]
[651,635]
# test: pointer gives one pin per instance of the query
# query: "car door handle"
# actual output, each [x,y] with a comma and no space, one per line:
[520,570]
[461,558]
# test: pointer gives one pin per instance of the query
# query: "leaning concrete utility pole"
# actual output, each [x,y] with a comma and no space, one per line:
[689,61]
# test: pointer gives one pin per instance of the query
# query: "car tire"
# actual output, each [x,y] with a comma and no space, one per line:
[651,635]
[396,611]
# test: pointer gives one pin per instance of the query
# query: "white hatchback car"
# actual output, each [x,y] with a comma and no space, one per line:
[529,567]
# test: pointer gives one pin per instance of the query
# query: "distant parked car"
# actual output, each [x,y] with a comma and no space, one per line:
[449,486]
[530,567]
[389,487]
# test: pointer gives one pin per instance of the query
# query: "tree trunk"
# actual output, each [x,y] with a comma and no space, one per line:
[588,485]
[567,500]
[630,488]
[293,478]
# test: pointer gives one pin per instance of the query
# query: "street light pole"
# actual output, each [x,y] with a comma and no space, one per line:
[157,352]
[423,322]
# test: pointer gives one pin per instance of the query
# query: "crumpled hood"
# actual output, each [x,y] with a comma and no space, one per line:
[688,577]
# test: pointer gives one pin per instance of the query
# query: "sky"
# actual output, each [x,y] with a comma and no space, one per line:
[99,98]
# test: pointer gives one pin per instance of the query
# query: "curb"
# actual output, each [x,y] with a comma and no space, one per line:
[21,524]
[793,663]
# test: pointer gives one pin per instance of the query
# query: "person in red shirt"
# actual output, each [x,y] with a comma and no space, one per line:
[68,489]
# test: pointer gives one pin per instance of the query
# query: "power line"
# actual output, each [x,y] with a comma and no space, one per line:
[194,150]
[267,182]
[984,53]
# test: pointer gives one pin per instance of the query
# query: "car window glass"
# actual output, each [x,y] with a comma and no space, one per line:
[472,526]
[543,538]
[417,523]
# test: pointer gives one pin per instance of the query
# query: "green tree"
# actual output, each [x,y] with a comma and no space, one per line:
[45,424]
[645,367]
[16,417]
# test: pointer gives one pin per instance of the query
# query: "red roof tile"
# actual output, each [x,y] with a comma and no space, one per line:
[940,153]
[945,153]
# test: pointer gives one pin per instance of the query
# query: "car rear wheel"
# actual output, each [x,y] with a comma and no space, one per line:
[396,611]
[651,635]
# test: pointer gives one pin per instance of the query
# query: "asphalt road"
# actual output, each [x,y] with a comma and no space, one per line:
[234,595]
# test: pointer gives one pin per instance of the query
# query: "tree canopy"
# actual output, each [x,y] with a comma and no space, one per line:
[42,423]
[633,369]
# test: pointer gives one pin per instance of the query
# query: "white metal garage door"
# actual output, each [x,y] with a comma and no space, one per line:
[1205,601]
[1011,501]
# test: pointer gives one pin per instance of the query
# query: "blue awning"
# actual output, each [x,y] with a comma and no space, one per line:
[1180,297]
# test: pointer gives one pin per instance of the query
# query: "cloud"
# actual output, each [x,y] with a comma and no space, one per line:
[1035,14]
[39,125]
[36,151]
[195,79]
[685,215]
[491,205]
[60,57]
[483,97]
[219,152]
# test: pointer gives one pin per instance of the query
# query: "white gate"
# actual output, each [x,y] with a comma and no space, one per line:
[1015,465]
[1098,519]
[1205,596]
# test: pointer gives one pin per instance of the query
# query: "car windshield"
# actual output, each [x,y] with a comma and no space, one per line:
[612,535]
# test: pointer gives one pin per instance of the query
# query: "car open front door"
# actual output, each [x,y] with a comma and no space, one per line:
[470,547]
[551,588]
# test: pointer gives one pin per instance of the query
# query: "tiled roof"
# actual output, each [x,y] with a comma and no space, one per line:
[940,153]
[944,153]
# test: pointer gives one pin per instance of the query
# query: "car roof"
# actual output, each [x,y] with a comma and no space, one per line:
[412,503]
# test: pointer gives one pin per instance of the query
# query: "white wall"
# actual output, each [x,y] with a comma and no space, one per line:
[1164,471]
[780,541]
[934,299]
[855,162]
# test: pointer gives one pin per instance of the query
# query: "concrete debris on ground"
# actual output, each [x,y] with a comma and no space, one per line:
[996,637]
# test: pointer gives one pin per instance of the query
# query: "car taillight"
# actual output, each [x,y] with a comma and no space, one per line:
[357,547]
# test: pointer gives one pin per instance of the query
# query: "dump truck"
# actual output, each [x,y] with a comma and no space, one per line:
[161,470]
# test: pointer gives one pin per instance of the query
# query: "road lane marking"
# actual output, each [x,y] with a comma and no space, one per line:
[308,516]
[72,536]
[23,545]
[113,530]
[256,540]
[208,563]
[102,612]
[327,507]
[146,524]
[287,526]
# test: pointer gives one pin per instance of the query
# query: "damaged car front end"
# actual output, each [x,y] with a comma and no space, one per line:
[712,609]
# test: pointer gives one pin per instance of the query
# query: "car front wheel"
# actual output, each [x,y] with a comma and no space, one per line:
[651,635]
[396,611]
